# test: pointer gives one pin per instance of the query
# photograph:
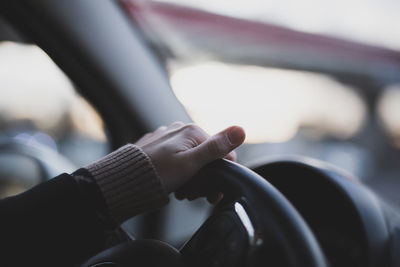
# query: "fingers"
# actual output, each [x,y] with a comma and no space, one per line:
[179,150]
[159,130]
[143,139]
[214,197]
[231,156]
[185,149]
[176,125]
[149,137]
[218,146]
[195,134]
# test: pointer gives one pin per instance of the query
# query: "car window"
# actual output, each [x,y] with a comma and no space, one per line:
[312,78]
[42,118]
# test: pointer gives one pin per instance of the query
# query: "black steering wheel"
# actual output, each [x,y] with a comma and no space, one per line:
[255,225]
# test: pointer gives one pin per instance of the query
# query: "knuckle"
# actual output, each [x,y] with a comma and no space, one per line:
[194,132]
[191,129]
[214,148]
[144,137]
[177,124]
[162,127]
[190,126]
[192,141]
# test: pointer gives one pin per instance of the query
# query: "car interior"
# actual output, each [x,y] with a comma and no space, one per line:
[315,184]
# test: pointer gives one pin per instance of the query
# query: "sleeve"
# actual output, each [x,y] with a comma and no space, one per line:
[129,183]
[49,225]
[63,221]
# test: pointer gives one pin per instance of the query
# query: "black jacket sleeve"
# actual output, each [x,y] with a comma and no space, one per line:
[58,223]
[64,221]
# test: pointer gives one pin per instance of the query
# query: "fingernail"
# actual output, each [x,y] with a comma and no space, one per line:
[235,135]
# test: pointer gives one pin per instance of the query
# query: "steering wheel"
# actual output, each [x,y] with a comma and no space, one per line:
[255,225]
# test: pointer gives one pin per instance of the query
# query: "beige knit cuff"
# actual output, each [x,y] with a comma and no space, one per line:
[129,182]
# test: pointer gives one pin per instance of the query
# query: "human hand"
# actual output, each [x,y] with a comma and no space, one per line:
[180,150]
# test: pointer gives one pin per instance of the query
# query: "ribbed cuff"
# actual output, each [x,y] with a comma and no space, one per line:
[129,183]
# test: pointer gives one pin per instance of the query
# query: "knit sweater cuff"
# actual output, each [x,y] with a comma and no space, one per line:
[129,183]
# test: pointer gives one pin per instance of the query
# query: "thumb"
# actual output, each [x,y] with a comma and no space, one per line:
[219,145]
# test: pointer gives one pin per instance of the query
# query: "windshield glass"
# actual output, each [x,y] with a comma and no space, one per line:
[44,121]
[312,78]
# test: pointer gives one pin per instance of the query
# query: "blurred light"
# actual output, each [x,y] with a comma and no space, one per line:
[389,112]
[37,139]
[367,21]
[46,140]
[86,120]
[33,88]
[271,104]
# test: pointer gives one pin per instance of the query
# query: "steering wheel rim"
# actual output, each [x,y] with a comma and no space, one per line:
[277,217]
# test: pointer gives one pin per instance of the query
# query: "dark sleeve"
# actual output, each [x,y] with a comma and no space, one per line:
[57,223]
[71,217]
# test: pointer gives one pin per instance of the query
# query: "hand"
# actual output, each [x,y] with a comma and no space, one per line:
[180,150]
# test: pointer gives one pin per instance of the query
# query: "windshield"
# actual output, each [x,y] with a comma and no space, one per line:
[312,78]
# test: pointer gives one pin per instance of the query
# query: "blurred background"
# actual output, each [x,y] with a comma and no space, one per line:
[312,78]
[46,127]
